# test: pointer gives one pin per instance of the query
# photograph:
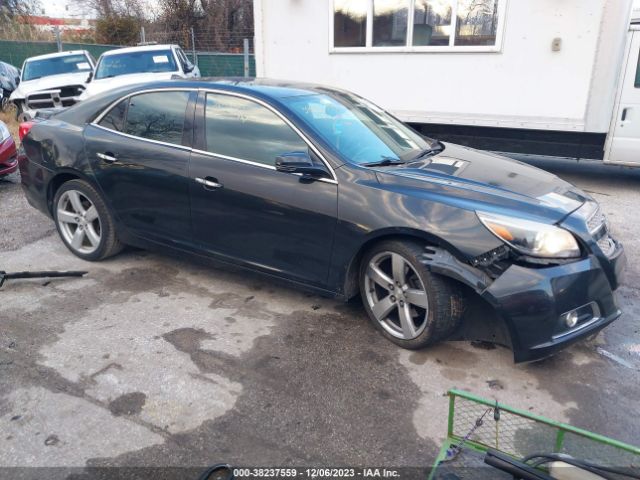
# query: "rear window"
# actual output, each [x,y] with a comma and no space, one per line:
[136,62]
[55,66]
[157,116]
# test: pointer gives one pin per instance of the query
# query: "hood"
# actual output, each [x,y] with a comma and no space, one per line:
[475,180]
[103,84]
[49,82]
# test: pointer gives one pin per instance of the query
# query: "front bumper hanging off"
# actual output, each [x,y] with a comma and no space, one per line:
[534,303]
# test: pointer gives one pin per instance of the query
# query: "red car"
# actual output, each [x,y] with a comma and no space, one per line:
[8,153]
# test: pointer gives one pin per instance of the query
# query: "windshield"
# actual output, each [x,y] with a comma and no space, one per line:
[358,130]
[55,66]
[135,62]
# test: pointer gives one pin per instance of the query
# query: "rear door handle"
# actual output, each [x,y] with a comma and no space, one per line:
[107,157]
[209,182]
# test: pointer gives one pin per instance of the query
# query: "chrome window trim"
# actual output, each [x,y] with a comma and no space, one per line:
[283,117]
[255,164]
[157,142]
[104,113]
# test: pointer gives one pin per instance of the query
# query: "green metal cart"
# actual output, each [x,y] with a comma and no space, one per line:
[477,426]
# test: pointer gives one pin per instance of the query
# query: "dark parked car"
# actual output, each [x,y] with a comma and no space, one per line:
[9,80]
[322,188]
[8,153]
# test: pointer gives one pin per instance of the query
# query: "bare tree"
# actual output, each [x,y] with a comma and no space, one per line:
[15,8]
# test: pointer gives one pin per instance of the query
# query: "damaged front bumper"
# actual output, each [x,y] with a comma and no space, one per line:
[534,302]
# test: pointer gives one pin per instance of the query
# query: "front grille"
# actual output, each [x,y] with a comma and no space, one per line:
[607,245]
[59,97]
[598,228]
[595,222]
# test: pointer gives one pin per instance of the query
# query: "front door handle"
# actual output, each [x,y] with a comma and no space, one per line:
[107,157]
[209,182]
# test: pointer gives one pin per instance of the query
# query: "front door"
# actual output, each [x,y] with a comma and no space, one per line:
[246,211]
[143,164]
[624,144]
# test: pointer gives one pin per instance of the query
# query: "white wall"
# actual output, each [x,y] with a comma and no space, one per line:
[525,85]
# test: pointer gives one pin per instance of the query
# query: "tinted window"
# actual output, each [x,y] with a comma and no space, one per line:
[477,22]
[350,23]
[157,116]
[136,62]
[54,66]
[390,23]
[243,129]
[114,120]
[432,22]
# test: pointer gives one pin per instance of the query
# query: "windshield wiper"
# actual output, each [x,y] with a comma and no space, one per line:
[429,151]
[384,162]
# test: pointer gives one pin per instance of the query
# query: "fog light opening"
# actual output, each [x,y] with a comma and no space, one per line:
[571,319]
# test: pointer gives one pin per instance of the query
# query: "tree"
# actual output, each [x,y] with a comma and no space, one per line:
[118,30]
[16,8]
[218,24]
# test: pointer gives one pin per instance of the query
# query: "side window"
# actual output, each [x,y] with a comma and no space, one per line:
[114,120]
[240,128]
[157,116]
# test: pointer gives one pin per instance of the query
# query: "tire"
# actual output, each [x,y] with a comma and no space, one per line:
[84,222]
[430,305]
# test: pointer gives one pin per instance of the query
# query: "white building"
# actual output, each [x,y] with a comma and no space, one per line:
[532,76]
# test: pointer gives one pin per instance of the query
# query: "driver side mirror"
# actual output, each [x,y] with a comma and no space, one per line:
[90,77]
[188,68]
[301,163]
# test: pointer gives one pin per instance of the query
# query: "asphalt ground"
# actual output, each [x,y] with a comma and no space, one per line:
[152,360]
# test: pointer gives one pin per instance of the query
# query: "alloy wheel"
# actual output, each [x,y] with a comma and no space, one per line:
[396,295]
[79,222]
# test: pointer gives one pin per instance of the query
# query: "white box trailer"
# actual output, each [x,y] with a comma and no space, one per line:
[544,77]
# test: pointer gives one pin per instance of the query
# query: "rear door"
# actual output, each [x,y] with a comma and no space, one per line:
[624,141]
[141,163]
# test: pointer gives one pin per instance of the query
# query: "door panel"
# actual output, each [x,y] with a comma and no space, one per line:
[272,220]
[147,186]
[242,207]
[625,142]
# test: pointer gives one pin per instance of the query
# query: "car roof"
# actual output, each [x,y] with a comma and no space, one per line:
[142,48]
[56,54]
[264,87]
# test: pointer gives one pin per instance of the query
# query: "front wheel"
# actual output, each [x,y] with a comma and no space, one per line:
[411,306]
[84,222]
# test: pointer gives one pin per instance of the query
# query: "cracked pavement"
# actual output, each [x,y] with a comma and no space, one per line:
[156,360]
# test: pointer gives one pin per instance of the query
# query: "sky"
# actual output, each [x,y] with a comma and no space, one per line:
[69,8]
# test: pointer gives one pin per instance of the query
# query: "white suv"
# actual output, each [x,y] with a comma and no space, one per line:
[125,66]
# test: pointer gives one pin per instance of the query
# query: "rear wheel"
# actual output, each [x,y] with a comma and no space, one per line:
[411,306]
[84,222]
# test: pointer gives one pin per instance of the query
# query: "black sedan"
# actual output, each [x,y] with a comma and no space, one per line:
[322,188]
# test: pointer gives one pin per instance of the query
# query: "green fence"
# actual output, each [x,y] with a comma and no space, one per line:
[211,64]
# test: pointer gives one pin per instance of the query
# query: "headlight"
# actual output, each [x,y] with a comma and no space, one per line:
[532,238]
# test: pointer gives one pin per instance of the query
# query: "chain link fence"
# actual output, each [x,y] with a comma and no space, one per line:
[216,53]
